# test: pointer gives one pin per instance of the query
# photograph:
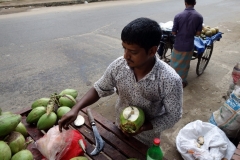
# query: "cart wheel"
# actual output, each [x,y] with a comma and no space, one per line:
[166,54]
[165,49]
[203,60]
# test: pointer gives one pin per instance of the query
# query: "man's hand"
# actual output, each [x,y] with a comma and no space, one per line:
[198,33]
[89,98]
[67,119]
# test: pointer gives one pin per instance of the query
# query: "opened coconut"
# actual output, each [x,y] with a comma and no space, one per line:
[131,119]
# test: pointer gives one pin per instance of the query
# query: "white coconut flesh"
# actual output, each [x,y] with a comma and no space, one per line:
[79,120]
[131,113]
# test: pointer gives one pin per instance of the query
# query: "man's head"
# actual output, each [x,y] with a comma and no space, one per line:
[190,2]
[143,32]
[140,40]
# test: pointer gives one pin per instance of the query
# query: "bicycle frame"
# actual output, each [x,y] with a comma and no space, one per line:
[166,43]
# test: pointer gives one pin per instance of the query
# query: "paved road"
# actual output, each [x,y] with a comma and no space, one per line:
[45,50]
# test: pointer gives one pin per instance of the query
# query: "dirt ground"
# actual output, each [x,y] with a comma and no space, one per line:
[204,94]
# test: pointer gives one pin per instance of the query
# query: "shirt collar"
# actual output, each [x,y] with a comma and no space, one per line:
[189,8]
[151,75]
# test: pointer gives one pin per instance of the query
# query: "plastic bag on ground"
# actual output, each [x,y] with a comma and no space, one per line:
[227,117]
[236,74]
[216,144]
[235,82]
[57,145]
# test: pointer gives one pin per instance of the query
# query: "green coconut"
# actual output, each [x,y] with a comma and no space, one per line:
[79,158]
[217,29]
[208,33]
[62,110]
[213,30]
[4,113]
[5,151]
[8,123]
[21,129]
[131,119]
[35,114]
[16,142]
[72,92]
[23,155]
[47,121]
[40,102]
[67,100]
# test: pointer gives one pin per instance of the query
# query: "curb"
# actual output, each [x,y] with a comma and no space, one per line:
[11,4]
[45,4]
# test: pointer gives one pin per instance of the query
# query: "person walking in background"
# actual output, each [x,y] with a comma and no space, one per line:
[186,25]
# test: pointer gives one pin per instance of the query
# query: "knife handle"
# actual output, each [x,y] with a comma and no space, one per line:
[90,117]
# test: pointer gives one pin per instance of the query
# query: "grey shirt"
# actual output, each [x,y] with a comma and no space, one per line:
[186,24]
[159,94]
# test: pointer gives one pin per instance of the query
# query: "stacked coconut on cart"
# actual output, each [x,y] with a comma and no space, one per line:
[44,115]
[13,138]
[208,31]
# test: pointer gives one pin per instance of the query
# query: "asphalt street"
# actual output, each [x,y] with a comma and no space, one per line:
[45,50]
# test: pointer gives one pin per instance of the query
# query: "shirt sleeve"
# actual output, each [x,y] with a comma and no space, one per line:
[173,106]
[199,28]
[105,85]
[175,24]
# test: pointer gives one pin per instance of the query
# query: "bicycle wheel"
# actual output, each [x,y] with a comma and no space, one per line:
[166,54]
[161,52]
[203,60]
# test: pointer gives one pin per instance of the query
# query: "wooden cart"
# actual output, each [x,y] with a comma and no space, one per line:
[117,145]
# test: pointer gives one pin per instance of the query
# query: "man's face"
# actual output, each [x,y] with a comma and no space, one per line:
[135,55]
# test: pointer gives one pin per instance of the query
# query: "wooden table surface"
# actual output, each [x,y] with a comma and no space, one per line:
[117,145]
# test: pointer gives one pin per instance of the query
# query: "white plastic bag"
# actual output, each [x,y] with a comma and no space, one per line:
[54,144]
[166,26]
[216,144]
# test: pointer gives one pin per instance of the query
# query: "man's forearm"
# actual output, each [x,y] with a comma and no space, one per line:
[89,98]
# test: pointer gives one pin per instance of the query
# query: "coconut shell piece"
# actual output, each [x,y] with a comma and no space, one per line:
[200,140]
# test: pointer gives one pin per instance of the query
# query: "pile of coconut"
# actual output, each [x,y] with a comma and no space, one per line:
[208,31]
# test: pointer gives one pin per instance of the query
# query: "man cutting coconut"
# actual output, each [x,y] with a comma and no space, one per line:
[140,79]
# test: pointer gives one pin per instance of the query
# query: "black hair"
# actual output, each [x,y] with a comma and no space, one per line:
[190,2]
[143,32]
